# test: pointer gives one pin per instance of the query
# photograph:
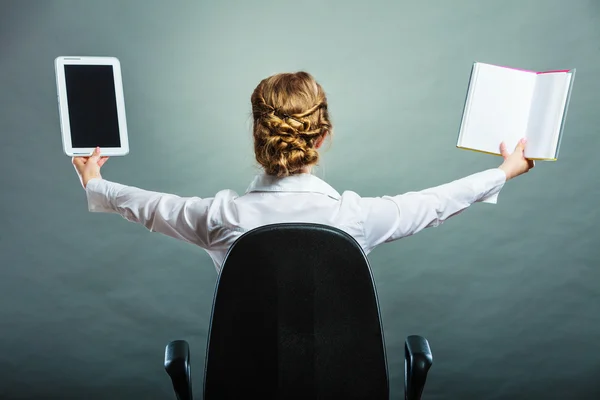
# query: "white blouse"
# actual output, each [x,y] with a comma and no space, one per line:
[215,223]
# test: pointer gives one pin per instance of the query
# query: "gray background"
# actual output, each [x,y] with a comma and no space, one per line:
[508,295]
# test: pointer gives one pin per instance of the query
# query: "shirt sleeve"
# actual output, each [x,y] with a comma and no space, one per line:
[390,218]
[183,218]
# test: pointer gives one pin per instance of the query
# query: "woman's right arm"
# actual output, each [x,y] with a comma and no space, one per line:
[183,218]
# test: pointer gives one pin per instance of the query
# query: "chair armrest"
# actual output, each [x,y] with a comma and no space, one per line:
[177,365]
[417,361]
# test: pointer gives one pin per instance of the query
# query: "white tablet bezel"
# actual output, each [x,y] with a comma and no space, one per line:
[63,106]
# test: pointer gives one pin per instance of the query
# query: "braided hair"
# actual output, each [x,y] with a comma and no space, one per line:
[290,117]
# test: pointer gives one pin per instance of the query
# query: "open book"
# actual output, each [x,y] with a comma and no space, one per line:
[505,104]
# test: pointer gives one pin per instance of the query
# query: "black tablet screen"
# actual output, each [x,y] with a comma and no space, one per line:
[92,106]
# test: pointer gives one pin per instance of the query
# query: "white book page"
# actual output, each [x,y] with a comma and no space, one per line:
[548,106]
[497,109]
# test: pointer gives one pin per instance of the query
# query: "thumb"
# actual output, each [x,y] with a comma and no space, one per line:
[521,146]
[503,152]
[95,155]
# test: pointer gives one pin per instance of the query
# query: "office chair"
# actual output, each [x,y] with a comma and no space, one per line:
[296,316]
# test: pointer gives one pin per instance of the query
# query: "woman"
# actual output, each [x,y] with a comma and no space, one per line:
[291,121]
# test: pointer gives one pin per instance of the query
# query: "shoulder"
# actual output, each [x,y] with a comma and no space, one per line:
[350,197]
[226,194]
[223,198]
[367,206]
[353,199]
[212,204]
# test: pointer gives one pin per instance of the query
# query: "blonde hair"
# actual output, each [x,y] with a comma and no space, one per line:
[290,117]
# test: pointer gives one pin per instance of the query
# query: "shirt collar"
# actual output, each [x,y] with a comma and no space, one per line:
[304,183]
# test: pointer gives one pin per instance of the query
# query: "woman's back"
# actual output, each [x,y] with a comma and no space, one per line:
[298,198]
[306,198]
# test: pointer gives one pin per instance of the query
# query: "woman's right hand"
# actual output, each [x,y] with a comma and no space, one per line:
[515,163]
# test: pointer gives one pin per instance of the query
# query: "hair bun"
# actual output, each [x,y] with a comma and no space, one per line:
[290,115]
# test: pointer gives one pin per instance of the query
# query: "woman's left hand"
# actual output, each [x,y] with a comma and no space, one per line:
[89,167]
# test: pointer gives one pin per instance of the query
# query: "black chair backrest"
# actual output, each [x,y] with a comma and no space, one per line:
[296,316]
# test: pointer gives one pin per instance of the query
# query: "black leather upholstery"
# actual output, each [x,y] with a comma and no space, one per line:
[296,316]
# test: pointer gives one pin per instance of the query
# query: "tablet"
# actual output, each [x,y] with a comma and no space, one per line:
[91,105]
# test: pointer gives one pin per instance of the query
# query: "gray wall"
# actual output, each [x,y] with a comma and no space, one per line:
[508,295]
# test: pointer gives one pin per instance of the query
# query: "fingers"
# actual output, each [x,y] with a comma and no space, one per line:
[78,161]
[520,147]
[95,157]
[102,160]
